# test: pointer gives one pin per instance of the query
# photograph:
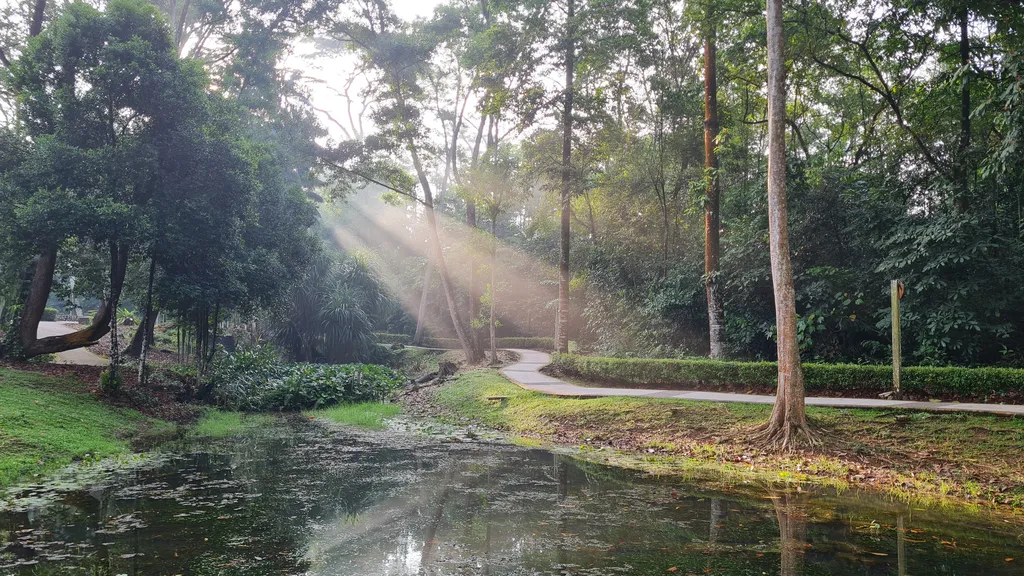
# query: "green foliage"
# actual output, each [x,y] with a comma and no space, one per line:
[991,384]
[49,314]
[385,338]
[257,380]
[110,383]
[528,343]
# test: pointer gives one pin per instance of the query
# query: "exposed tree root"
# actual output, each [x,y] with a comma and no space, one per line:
[785,437]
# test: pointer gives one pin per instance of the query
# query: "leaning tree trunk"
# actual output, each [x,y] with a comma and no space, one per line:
[35,304]
[788,423]
[118,254]
[472,354]
[562,333]
[712,217]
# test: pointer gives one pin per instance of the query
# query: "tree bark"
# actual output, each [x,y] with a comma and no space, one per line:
[421,316]
[472,354]
[35,304]
[562,335]
[787,425]
[712,216]
[118,255]
[144,326]
[36,27]
[474,286]
[962,162]
[494,287]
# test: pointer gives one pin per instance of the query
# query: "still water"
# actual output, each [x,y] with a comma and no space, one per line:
[302,498]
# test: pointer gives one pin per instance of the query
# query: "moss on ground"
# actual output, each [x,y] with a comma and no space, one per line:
[366,415]
[47,422]
[915,456]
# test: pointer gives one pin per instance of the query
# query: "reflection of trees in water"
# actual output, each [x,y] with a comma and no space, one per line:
[790,513]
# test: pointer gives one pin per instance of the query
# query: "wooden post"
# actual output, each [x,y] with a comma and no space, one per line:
[897,362]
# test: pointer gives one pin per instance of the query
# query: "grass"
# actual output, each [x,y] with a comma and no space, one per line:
[914,456]
[220,424]
[369,415]
[48,422]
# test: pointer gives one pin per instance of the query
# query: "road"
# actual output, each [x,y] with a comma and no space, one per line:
[77,356]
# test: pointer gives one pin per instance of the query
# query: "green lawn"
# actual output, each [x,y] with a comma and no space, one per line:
[367,415]
[220,424]
[46,422]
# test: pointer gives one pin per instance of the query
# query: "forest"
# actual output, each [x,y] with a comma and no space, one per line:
[329,172]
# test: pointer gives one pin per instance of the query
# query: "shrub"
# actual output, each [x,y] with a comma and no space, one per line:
[110,384]
[927,381]
[256,380]
[49,314]
[384,338]
[514,342]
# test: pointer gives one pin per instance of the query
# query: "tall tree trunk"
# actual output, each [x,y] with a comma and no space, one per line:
[213,339]
[562,335]
[474,286]
[962,170]
[712,216]
[788,423]
[421,315]
[494,288]
[472,354]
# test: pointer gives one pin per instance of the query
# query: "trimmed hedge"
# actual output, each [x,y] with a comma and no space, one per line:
[924,381]
[384,338]
[49,314]
[514,342]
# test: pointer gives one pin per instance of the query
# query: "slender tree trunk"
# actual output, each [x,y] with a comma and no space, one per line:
[144,325]
[494,287]
[962,170]
[118,254]
[421,316]
[788,423]
[712,216]
[213,339]
[472,354]
[474,286]
[562,335]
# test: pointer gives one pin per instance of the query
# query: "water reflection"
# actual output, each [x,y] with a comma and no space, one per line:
[303,499]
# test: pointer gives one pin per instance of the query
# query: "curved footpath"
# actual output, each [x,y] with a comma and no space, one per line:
[526,373]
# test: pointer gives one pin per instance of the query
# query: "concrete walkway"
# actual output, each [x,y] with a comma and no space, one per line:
[526,373]
[80,356]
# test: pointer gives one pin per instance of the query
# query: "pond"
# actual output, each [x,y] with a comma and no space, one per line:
[302,498]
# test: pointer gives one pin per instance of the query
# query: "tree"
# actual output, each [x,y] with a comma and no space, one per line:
[712,206]
[787,426]
[565,204]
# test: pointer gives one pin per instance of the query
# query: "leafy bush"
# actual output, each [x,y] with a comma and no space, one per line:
[935,382]
[256,380]
[110,384]
[321,385]
[516,342]
[403,339]
[49,314]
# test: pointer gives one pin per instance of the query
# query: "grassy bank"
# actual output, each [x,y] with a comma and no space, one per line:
[47,422]
[365,415]
[912,455]
[220,423]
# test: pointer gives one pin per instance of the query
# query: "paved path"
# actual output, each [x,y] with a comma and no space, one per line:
[526,373]
[77,356]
